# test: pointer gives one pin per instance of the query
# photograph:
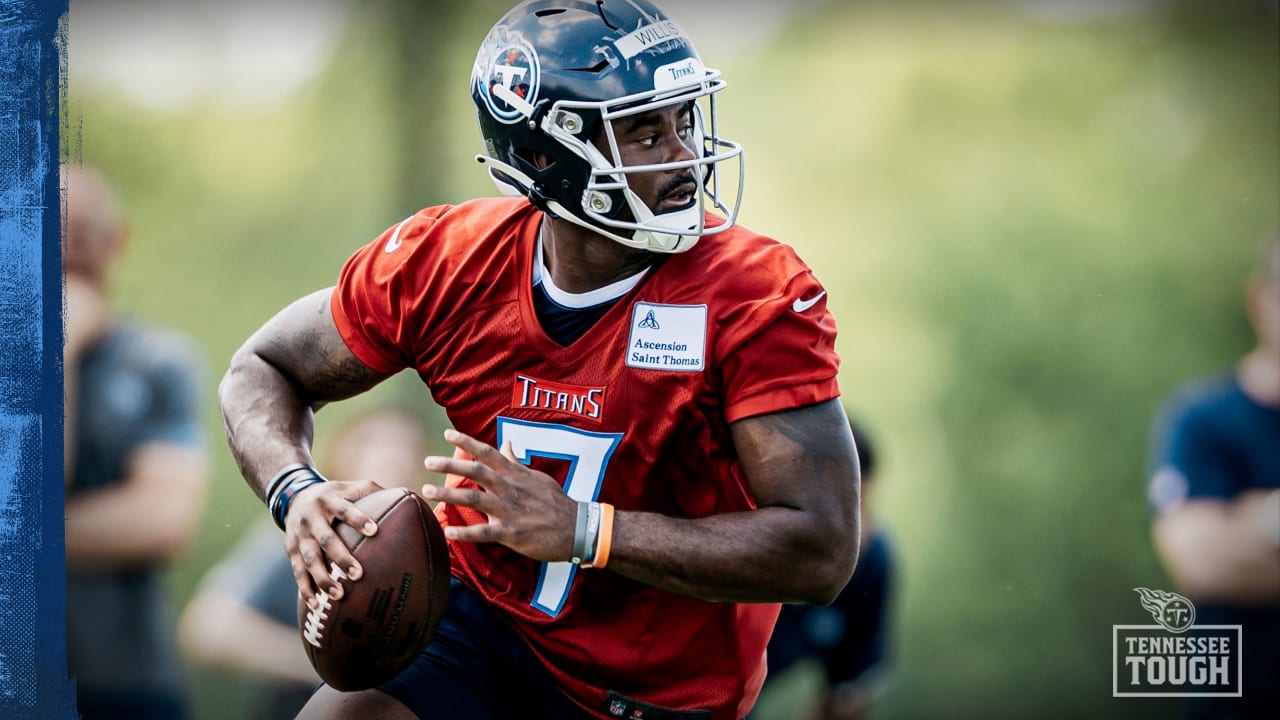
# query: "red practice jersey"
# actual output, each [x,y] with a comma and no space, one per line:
[635,412]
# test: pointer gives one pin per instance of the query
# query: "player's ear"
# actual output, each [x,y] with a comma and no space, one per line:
[541,161]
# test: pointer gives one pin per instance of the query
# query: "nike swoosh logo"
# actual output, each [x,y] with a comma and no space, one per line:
[802,305]
[394,243]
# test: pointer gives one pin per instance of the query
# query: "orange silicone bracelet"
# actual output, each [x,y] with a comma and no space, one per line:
[605,541]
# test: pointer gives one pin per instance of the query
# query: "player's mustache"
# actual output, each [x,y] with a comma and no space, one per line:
[676,184]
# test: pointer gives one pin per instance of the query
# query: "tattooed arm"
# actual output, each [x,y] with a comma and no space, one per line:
[286,370]
[799,545]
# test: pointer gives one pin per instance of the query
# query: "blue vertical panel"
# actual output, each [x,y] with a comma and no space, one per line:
[33,677]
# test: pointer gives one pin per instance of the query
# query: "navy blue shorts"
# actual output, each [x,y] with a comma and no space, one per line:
[477,668]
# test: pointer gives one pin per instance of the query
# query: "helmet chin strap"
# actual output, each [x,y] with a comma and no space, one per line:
[654,241]
[495,166]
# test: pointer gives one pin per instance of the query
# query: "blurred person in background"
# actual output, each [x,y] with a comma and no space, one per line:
[849,637]
[1214,488]
[136,472]
[244,615]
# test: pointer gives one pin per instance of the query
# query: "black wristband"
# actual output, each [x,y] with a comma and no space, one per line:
[294,483]
[282,475]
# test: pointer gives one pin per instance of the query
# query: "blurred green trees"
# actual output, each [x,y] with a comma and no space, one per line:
[1031,230]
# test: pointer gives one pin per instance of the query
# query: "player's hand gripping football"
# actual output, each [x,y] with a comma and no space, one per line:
[311,541]
[528,511]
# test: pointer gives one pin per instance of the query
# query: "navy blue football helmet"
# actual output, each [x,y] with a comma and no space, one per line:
[554,74]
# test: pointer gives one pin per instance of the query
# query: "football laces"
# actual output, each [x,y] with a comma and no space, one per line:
[313,628]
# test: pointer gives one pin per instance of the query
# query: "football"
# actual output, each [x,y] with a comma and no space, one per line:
[386,618]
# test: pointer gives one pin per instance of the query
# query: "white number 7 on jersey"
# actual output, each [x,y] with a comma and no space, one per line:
[588,453]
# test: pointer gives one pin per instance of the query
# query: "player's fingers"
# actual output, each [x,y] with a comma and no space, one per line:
[336,550]
[346,511]
[356,489]
[467,497]
[303,578]
[480,533]
[332,550]
[482,452]
[480,474]
[508,451]
[313,560]
[316,507]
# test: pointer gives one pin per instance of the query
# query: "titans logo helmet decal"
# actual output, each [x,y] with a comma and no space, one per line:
[506,75]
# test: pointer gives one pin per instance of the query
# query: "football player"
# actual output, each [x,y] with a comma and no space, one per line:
[650,451]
